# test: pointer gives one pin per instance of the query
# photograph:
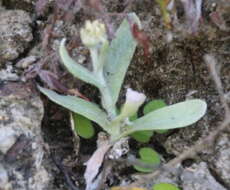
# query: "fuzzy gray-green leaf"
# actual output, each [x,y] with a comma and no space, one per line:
[175,116]
[119,56]
[76,69]
[78,105]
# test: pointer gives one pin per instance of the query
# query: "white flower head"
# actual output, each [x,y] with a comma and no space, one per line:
[93,33]
[134,97]
[133,101]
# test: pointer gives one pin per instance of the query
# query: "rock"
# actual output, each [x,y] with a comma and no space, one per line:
[26,62]
[119,149]
[168,176]
[195,177]
[198,177]
[21,112]
[15,34]
[220,160]
[7,138]
[4,180]
[8,74]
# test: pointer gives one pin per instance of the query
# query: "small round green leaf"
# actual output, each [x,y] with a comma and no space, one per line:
[83,126]
[165,186]
[141,169]
[148,156]
[153,105]
[142,136]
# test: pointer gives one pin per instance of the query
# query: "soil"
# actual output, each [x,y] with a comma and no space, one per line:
[174,71]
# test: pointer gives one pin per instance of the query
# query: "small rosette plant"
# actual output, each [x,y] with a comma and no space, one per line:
[110,62]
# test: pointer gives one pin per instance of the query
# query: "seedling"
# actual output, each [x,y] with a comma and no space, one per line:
[110,61]
[148,156]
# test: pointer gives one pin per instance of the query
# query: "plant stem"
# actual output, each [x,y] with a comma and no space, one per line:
[95,60]
[107,101]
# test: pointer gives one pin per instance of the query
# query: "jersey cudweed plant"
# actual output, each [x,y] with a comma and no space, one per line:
[110,61]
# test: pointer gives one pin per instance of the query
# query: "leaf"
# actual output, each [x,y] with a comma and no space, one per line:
[175,116]
[148,156]
[142,136]
[119,56]
[76,69]
[83,126]
[78,105]
[165,186]
[153,105]
[145,136]
[133,117]
[144,170]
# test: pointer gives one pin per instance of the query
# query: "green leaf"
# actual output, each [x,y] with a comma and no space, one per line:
[78,105]
[119,56]
[83,126]
[142,136]
[133,117]
[153,105]
[148,156]
[175,116]
[145,136]
[76,69]
[165,186]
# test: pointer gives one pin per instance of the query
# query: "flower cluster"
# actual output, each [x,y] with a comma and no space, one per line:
[93,34]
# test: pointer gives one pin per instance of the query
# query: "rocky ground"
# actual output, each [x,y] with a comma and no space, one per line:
[37,148]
